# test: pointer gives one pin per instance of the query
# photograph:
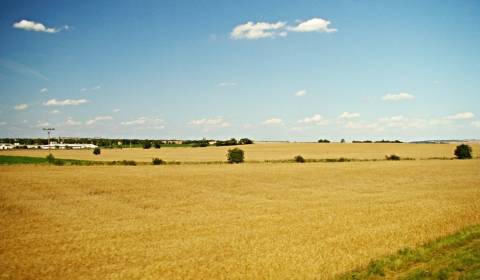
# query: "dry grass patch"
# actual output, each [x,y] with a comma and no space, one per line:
[276,221]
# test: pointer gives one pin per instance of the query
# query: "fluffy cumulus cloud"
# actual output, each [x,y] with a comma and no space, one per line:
[20,107]
[98,119]
[65,102]
[461,116]
[398,97]
[315,119]
[300,93]
[145,123]
[36,26]
[258,30]
[273,121]
[348,115]
[313,25]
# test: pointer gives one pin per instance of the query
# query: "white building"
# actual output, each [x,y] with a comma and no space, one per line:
[6,146]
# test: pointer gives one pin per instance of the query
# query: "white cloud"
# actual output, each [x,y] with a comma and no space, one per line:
[21,107]
[253,31]
[398,97]
[71,122]
[313,25]
[98,119]
[55,112]
[97,87]
[300,93]
[476,124]
[272,121]
[66,102]
[348,115]
[145,123]
[34,26]
[116,110]
[44,90]
[461,116]
[315,119]
[209,124]
[226,84]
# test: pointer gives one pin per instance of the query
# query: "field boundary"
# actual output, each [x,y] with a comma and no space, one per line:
[13,160]
[447,257]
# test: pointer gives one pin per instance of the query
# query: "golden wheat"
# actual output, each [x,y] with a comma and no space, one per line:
[259,152]
[250,221]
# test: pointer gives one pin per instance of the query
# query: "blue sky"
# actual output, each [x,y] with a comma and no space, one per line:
[270,70]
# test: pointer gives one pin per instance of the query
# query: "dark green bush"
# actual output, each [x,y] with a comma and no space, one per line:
[323,141]
[96,151]
[245,141]
[157,161]
[392,157]
[235,155]
[157,145]
[299,158]
[147,145]
[463,151]
[50,158]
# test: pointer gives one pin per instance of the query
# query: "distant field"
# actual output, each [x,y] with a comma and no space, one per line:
[259,152]
[247,221]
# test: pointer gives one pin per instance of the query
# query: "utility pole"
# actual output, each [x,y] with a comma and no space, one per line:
[48,130]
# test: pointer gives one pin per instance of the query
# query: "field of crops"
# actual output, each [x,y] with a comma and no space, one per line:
[246,221]
[259,152]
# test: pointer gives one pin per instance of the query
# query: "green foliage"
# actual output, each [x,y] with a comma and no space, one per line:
[157,161]
[231,142]
[463,151]
[50,158]
[392,157]
[21,160]
[299,158]
[147,145]
[157,145]
[323,141]
[342,141]
[245,141]
[235,155]
[96,151]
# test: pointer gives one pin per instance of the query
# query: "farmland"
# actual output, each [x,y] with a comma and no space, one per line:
[288,220]
[258,152]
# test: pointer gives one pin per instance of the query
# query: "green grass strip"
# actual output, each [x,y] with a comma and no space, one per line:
[456,256]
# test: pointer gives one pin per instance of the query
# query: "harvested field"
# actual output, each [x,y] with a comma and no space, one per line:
[259,152]
[275,221]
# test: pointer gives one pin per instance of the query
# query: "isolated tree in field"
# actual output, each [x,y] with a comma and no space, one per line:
[157,145]
[342,141]
[96,151]
[235,155]
[147,145]
[463,151]
[299,158]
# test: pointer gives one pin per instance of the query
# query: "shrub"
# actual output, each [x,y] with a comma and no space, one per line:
[342,141]
[157,161]
[463,151]
[231,142]
[299,158]
[157,145]
[50,158]
[392,157]
[147,145]
[245,141]
[235,155]
[323,141]
[128,162]
[96,151]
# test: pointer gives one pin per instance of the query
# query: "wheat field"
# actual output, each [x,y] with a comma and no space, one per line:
[247,221]
[259,152]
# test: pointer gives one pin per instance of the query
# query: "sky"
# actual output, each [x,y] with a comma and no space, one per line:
[266,70]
